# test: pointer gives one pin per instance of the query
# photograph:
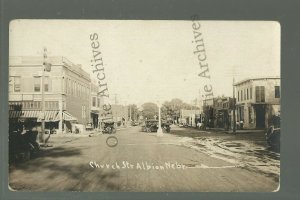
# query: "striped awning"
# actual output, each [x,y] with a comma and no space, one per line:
[50,115]
[68,117]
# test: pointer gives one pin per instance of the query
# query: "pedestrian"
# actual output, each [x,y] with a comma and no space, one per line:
[241,124]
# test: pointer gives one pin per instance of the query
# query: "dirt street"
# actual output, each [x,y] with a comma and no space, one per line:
[185,160]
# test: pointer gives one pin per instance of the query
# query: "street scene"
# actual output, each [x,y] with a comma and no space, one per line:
[96,107]
[213,161]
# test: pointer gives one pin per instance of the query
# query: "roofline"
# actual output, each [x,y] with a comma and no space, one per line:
[253,79]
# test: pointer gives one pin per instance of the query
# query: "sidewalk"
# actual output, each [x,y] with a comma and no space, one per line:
[221,130]
[238,131]
[82,134]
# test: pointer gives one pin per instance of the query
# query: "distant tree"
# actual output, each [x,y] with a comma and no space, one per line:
[134,112]
[171,109]
[149,110]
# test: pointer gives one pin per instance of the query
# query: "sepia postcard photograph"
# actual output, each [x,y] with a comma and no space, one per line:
[144,105]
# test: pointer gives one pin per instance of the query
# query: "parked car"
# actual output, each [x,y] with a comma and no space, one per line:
[89,127]
[109,127]
[152,126]
[273,133]
[134,123]
[273,137]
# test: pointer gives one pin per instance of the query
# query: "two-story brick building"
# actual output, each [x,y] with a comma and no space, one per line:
[257,100]
[66,91]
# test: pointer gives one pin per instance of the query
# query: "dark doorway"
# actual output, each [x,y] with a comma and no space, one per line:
[260,116]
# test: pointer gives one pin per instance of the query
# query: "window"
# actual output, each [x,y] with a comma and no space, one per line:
[72,87]
[238,95]
[260,93]
[98,102]
[94,101]
[17,87]
[37,84]
[241,95]
[75,89]
[247,94]
[83,111]
[79,90]
[251,93]
[277,92]
[46,84]
[66,85]
[250,115]
[11,84]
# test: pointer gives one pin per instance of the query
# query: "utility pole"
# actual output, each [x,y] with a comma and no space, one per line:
[43,95]
[234,121]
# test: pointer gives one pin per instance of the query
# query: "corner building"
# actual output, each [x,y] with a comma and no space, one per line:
[66,92]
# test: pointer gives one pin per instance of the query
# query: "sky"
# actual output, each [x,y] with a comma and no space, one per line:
[153,61]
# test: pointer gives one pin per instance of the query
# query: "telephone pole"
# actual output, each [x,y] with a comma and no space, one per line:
[43,95]
[234,121]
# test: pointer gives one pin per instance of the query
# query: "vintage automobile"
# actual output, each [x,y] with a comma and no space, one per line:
[152,126]
[89,127]
[273,137]
[109,127]
[134,123]
[273,133]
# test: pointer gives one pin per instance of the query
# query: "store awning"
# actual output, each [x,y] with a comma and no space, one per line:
[50,115]
[68,117]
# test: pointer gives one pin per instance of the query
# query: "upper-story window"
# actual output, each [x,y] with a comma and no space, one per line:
[247,94]
[46,84]
[241,95]
[94,102]
[238,95]
[37,84]
[17,84]
[277,91]
[98,102]
[72,88]
[251,93]
[260,93]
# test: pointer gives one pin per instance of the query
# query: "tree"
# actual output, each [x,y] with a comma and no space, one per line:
[134,112]
[171,109]
[149,110]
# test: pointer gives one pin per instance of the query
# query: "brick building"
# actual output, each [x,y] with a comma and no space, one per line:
[66,86]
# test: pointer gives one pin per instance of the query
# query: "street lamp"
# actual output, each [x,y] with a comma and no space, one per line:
[159,130]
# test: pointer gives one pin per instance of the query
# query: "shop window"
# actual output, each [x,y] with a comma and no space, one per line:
[250,115]
[277,92]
